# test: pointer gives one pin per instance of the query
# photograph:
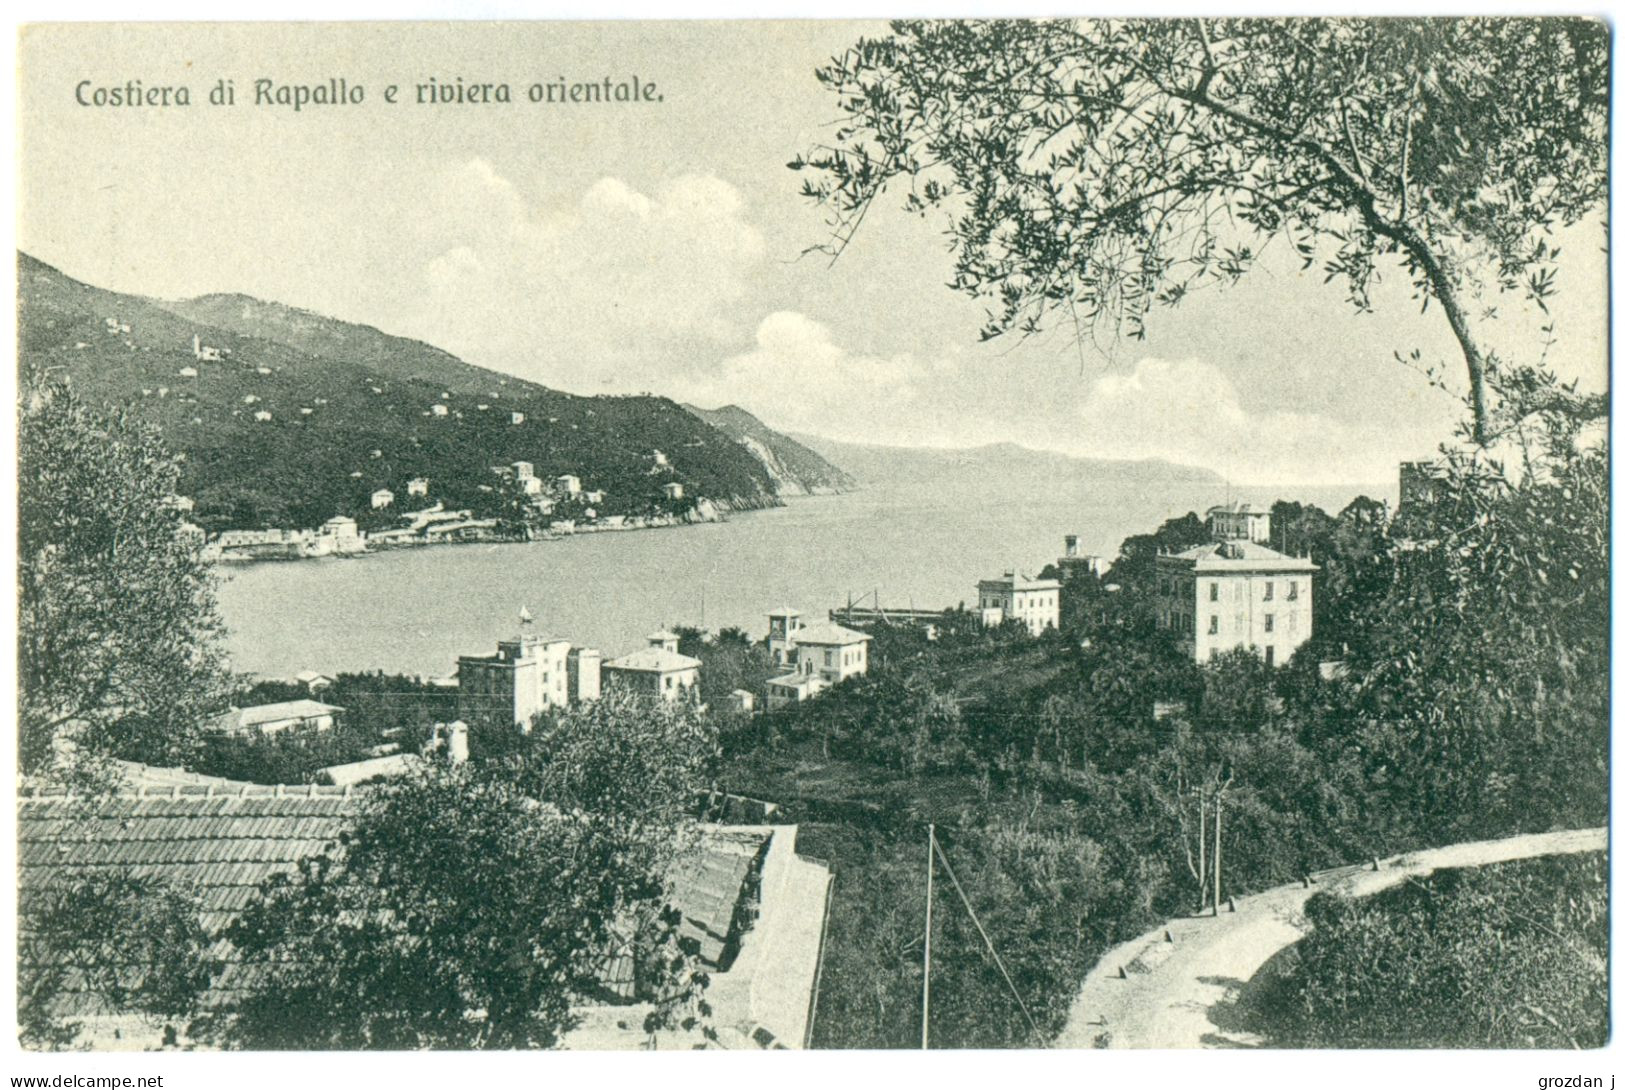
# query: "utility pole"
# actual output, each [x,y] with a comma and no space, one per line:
[1218,847]
[930,870]
[1201,845]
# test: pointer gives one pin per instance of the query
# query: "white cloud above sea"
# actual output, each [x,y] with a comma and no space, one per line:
[1190,411]
[797,377]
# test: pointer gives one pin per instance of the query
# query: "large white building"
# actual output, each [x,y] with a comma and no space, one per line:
[1236,594]
[1034,602]
[525,676]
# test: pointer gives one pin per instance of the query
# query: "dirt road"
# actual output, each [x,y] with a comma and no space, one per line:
[1153,993]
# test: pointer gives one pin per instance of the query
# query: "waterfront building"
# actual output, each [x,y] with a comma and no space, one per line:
[567,483]
[338,536]
[382,498]
[1236,594]
[673,490]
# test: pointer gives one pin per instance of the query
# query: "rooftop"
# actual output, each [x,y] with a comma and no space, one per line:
[830,633]
[653,660]
[1016,580]
[1234,508]
[1241,556]
[275,713]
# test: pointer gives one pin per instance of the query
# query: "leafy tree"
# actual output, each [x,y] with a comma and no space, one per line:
[624,756]
[471,907]
[1094,169]
[123,942]
[117,627]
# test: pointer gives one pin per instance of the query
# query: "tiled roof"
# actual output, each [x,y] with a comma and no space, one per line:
[1234,508]
[828,632]
[220,847]
[708,887]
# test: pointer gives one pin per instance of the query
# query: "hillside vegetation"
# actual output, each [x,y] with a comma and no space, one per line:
[286,418]
[1507,956]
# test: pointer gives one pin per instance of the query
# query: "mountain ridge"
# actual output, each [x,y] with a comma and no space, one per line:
[797,469]
[285,417]
[878,463]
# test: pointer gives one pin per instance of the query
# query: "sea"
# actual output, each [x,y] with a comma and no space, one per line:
[414,611]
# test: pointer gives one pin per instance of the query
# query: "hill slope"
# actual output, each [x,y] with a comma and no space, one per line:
[286,418]
[795,468]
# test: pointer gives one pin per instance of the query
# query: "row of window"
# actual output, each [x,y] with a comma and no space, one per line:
[1171,588]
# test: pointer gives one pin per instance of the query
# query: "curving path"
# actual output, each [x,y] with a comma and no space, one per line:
[1170,993]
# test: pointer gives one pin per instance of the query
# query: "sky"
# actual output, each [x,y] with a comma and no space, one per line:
[662,247]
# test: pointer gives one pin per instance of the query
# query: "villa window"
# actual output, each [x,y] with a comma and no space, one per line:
[1269,591]
[1213,592]
[1269,622]
[1292,591]
[1213,625]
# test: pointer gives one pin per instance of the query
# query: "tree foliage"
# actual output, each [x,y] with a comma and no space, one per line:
[114,942]
[1094,169]
[472,907]
[117,627]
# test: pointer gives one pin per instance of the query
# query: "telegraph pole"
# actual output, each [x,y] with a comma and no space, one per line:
[1218,849]
[930,870]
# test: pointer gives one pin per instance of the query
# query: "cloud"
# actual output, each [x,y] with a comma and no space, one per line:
[602,289]
[1189,411]
[797,377]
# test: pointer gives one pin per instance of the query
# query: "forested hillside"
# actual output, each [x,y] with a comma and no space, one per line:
[286,418]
